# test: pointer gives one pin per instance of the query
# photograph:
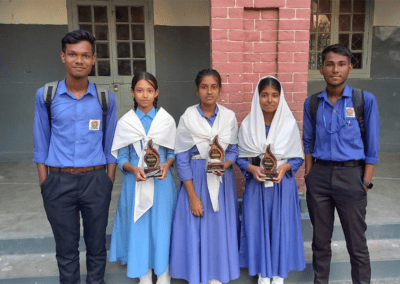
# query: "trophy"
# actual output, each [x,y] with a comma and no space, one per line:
[269,164]
[216,155]
[152,160]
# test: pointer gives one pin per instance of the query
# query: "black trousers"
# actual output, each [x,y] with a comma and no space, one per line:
[330,187]
[64,196]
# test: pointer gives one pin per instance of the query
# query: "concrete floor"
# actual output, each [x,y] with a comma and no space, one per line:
[22,217]
[22,214]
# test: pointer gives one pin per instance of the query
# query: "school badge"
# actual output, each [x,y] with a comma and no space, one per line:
[350,112]
[94,124]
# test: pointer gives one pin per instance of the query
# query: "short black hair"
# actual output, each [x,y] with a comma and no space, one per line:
[208,72]
[149,78]
[76,37]
[336,48]
[269,81]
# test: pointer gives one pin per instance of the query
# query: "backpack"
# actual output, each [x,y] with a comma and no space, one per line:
[102,94]
[358,105]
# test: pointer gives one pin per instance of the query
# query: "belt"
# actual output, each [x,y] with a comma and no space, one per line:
[72,170]
[350,163]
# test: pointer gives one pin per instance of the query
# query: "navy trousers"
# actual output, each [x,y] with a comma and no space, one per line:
[330,187]
[66,195]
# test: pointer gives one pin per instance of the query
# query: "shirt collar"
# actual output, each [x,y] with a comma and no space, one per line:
[347,92]
[62,89]
[202,113]
[141,114]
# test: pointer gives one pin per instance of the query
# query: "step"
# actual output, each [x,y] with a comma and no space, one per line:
[384,256]
[386,232]
[374,231]
[378,250]
[385,262]
[42,265]
[119,278]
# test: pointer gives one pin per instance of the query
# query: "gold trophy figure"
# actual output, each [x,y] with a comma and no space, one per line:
[216,155]
[152,160]
[269,164]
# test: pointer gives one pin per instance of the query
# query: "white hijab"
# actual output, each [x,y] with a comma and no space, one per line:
[283,135]
[130,130]
[193,129]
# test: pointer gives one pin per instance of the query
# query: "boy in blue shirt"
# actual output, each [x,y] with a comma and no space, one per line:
[71,161]
[338,171]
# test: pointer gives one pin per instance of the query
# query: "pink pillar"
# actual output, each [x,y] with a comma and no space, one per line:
[254,38]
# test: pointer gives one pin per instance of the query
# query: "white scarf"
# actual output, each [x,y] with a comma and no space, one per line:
[283,135]
[193,129]
[131,131]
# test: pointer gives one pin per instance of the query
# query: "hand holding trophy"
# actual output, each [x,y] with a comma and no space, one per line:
[216,157]
[269,165]
[152,160]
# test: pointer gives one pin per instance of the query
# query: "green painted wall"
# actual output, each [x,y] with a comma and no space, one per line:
[31,57]
[181,52]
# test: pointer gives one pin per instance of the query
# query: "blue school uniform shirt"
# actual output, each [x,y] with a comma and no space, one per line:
[183,159]
[338,135]
[73,141]
[243,163]
[146,119]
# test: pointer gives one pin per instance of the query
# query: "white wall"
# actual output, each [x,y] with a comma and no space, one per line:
[42,12]
[182,12]
[387,13]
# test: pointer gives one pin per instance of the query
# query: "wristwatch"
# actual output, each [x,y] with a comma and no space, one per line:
[369,185]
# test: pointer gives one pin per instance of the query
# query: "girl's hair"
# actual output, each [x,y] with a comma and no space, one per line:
[269,81]
[143,75]
[208,72]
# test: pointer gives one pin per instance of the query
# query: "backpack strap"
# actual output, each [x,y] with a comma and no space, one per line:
[313,108]
[48,96]
[358,105]
[102,95]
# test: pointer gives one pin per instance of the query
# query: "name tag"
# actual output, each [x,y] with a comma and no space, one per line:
[94,124]
[350,112]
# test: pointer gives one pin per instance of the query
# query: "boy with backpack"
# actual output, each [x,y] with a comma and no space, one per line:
[341,140]
[73,133]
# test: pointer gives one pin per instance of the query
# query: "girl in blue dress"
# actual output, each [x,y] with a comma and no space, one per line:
[204,240]
[142,226]
[271,240]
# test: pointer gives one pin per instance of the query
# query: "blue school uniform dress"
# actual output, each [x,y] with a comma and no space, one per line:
[271,238]
[205,248]
[144,244]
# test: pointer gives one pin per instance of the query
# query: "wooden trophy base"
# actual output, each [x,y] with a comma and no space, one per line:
[270,175]
[153,172]
[213,167]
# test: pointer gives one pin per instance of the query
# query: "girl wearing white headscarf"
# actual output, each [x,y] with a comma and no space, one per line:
[204,240]
[271,241]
